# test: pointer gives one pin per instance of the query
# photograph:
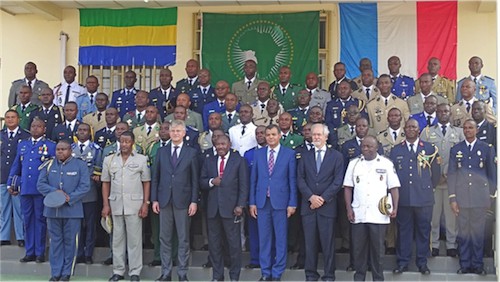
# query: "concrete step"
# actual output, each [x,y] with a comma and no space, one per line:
[442,268]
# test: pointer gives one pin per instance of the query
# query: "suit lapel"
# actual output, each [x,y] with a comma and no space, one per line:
[278,157]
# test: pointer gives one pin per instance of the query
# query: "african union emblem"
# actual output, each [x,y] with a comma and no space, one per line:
[267,43]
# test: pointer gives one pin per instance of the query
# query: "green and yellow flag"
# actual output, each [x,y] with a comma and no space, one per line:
[272,40]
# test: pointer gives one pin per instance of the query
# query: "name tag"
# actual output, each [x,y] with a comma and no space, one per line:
[133,165]
[71,173]
[380,170]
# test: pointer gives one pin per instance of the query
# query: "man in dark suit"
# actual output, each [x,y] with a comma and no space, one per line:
[190,82]
[472,179]
[319,177]
[67,130]
[225,176]
[273,199]
[161,96]
[106,135]
[174,193]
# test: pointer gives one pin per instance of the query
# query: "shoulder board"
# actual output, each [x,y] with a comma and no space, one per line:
[73,145]
[81,85]
[234,151]
[14,107]
[49,141]
[18,80]
[95,146]
[462,79]
[192,128]
[298,155]
[329,146]
[405,76]
[294,85]
[321,89]
[59,85]
[488,77]
[47,164]
[375,90]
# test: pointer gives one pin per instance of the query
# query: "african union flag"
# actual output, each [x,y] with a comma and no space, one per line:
[272,40]
[137,36]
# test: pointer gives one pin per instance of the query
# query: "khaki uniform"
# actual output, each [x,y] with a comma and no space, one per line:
[360,94]
[205,140]
[266,120]
[245,95]
[386,139]
[416,103]
[142,139]
[92,120]
[377,111]
[359,82]
[193,119]
[442,86]
[459,113]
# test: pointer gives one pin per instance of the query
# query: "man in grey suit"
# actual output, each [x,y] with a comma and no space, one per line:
[319,97]
[30,79]
[226,178]
[246,89]
[175,198]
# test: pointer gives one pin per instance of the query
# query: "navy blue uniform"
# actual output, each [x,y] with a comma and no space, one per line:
[158,99]
[212,107]
[351,149]
[422,120]
[104,137]
[28,158]
[72,177]
[487,132]
[403,86]
[200,96]
[51,118]
[416,199]
[124,101]
[472,182]
[191,138]
[336,111]
[61,132]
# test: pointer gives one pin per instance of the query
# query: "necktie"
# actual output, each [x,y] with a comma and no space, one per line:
[190,82]
[81,148]
[470,147]
[249,83]
[352,129]
[411,148]
[69,127]
[109,132]
[386,102]
[11,134]
[393,79]
[91,98]
[221,104]
[165,93]
[149,129]
[221,167]
[174,156]
[139,116]
[67,94]
[475,80]
[229,117]
[204,91]
[262,107]
[368,93]
[271,121]
[243,130]
[467,106]
[47,111]
[283,137]
[99,115]
[443,129]
[164,143]
[283,91]
[395,135]
[34,142]
[429,122]
[29,83]
[128,93]
[311,146]
[271,161]
[318,160]
[23,108]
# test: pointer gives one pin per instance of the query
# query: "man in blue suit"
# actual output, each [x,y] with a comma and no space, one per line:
[69,176]
[31,153]
[417,164]
[472,178]
[428,116]
[273,198]
[319,177]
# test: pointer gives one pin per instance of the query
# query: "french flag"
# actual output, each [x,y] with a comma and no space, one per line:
[413,31]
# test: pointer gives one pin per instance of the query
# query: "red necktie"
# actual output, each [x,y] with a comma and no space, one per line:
[221,167]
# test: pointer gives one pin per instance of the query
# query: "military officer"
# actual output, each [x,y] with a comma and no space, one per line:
[193,118]
[486,131]
[69,89]
[115,146]
[461,111]
[31,153]
[288,138]
[472,178]
[486,89]
[378,108]
[51,114]
[263,96]
[87,101]
[203,94]
[364,64]
[348,130]
[25,108]
[242,135]
[190,82]
[97,119]
[444,136]
[300,113]
[416,103]
[161,97]
[246,89]
[368,90]
[10,205]
[230,117]
[336,109]
[339,73]
[106,135]
[428,116]
[402,86]
[205,139]
[285,92]
[137,117]
[319,97]
[124,99]
[417,165]
[91,154]
[442,86]
[32,81]
[273,113]
[67,130]
[217,106]
[70,177]
[149,132]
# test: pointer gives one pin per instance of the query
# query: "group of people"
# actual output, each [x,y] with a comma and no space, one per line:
[379,161]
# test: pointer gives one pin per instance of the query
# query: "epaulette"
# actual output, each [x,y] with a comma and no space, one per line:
[485,76]
[192,128]
[329,146]
[490,145]
[361,104]
[462,79]
[298,155]
[47,163]
[59,85]
[81,85]
[95,146]
[295,85]
[234,151]
[375,90]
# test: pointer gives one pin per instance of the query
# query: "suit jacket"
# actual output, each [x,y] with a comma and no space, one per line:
[245,95]
[199,100]
[289,100]
[403,86]
[84,105]
[282,182]
[377,111]
[52,119]
[61,132]
[103,138]
[472,175]
[36,88]
[157,99]
[422,120]
[386,139]
[486,90]
[459,113]
[142,138]
[212,107]
[235,119]
[9,149]
[333,87]
[122,102]
[92,119]
[233,189]
[325,183]
[336,111]
[177,184]
[319,97]
[351,149]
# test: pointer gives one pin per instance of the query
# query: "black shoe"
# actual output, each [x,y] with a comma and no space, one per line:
[424,270]
[390,251]
[4,243]
[350,268]
[135,278]
[155,263]
[264,278]
[54,278]
[116,277]
[451,252]
[297,266]
[80,260]
[343,250]
[400,269]
[164,278]
[28,259]
[480,271]
[89,260]
[463,270]
[208,264]
[252,266]
[40,259]
[183,278]
[20,243]
[65,278]
[276,279]
[108,261]
[435,252]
